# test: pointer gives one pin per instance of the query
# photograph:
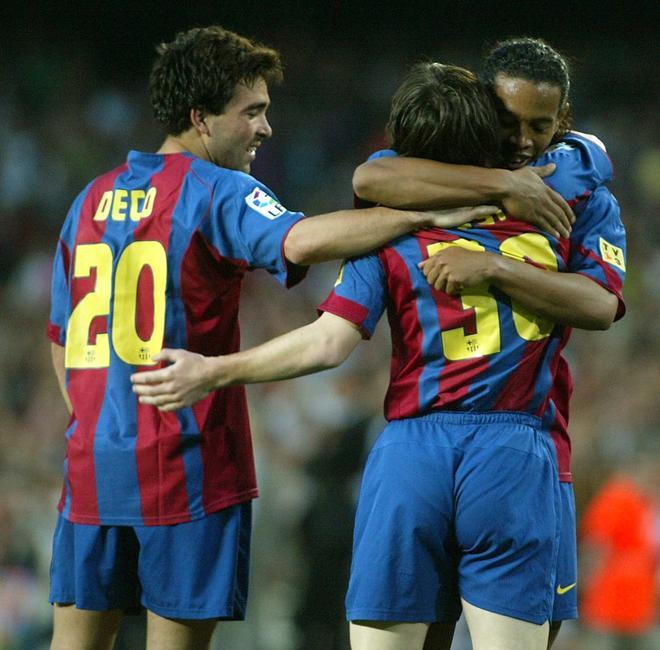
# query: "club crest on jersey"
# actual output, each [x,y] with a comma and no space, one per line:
[264,204]
[612,254]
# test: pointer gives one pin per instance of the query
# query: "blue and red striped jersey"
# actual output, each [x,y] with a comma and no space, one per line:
[152,255]
[480,351]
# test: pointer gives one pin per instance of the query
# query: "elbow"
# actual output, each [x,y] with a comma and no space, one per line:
[602,317]
[600,324]
[334,354]
[360,186]
[606,321]
[597,311]
[365,183]
[608,311]
[333,349]
[298,248]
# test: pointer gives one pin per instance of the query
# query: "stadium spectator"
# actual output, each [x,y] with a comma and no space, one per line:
[619,540]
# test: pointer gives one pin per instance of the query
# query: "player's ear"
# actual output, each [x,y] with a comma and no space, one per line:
[564,119]
[197,119]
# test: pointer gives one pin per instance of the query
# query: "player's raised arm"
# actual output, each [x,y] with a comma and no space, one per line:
[347,233]
[417,183]
[323,344]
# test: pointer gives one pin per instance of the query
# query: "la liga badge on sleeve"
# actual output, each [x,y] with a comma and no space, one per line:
[264,204]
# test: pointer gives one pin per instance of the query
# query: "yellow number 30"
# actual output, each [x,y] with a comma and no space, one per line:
[127,344]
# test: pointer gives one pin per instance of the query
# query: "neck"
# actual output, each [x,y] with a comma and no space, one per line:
[184,142]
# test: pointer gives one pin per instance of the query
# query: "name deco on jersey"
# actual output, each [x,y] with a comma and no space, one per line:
[119,204]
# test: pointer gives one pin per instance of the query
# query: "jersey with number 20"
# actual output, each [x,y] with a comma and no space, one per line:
[152,254]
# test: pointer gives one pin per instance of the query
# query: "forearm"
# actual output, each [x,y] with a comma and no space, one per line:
[57,356]
[347,233]
[416,183]
[565,298]
[323,344]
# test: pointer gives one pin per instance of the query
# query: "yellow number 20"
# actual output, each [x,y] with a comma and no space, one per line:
[126,341]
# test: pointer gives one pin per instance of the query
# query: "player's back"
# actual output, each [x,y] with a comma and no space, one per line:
[475,351]
[152,254]
[480,351]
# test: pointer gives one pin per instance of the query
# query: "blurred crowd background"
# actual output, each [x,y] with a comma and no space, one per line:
[73,100]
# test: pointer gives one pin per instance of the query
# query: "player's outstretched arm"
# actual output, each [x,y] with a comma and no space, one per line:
[323,344]
[347,233]
[416,183]
[564,298]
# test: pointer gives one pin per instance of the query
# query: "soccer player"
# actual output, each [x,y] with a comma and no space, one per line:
[460,504]
[155,507]
[530,82]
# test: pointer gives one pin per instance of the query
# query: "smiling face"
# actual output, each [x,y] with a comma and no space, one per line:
[530,114]
[234,136]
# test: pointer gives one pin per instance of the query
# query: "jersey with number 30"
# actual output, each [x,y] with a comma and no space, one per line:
[152,255]
[481,351]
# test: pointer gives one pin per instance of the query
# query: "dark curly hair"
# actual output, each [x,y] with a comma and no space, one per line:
[534,60]
[443,112]
[200,69]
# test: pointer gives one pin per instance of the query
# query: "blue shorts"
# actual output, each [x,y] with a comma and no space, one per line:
[194,570]
[565,606]
[457,505]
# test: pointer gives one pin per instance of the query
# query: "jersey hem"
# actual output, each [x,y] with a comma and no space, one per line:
[477,417]
[164,520]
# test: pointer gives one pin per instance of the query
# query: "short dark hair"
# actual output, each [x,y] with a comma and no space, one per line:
[531,59]
[200,69]
[444,113]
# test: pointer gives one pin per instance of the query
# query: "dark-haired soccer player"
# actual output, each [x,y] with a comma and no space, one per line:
[531,83]
[460,504]
[155,508]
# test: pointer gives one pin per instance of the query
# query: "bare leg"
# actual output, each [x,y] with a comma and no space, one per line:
[84,629]
[178,634]
[490,631]
[439,636]
[386,635]
[554,631]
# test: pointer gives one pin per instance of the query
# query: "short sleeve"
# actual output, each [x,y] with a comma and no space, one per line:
[582,166]
[598,243]
[360,293]
[250,224]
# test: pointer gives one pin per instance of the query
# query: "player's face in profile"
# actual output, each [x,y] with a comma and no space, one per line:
[236,134]
[529,116]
